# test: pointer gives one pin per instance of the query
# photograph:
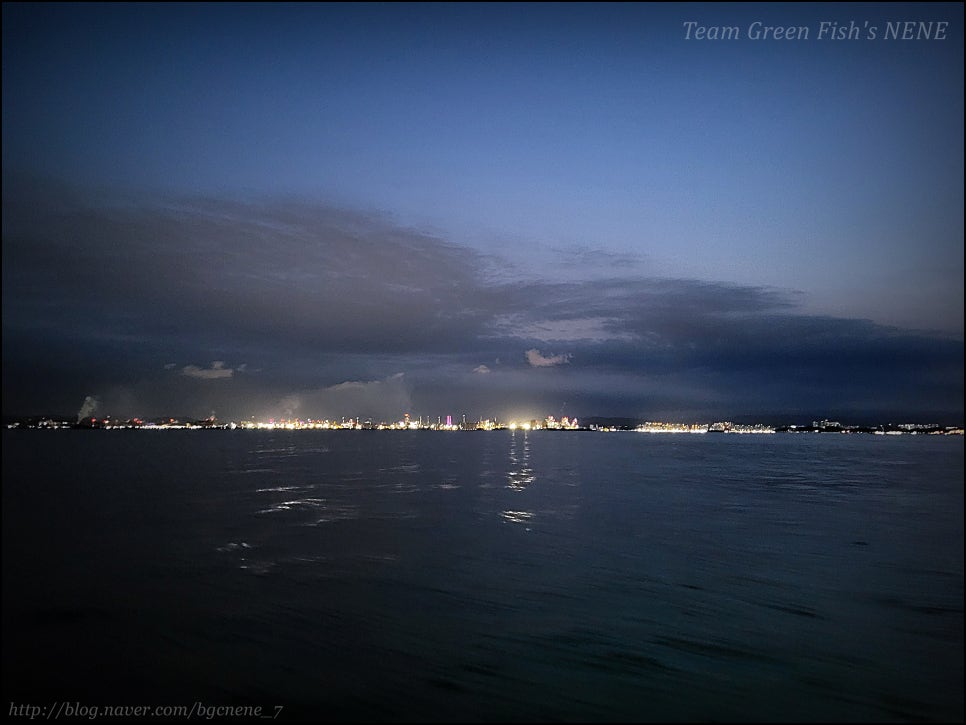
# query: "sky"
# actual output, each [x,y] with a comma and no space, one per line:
[497,210]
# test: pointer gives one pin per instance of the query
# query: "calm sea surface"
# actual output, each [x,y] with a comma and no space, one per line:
[487,576]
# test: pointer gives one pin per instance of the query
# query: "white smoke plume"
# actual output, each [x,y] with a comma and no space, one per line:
[87,408]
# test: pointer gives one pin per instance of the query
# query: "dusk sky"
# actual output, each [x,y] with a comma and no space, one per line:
[492,210]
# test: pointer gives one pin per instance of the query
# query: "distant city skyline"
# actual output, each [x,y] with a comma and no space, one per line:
[464,423]
[501,210]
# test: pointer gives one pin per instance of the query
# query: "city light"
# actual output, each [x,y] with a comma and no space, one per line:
[419,423]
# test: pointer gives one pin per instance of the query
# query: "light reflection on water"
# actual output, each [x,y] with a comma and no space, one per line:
[482,576]
[520,474]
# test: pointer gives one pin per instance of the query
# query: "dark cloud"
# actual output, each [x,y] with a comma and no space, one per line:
[306,276]
[327,305]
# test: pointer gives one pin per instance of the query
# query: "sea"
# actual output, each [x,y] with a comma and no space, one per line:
[507,576]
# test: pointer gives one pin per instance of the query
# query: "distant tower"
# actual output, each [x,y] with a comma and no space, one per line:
[449,420]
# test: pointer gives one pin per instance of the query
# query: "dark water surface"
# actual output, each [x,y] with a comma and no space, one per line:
[487,576]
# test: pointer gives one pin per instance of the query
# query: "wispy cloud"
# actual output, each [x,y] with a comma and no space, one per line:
[378,399]
[539,360]
[217,371]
